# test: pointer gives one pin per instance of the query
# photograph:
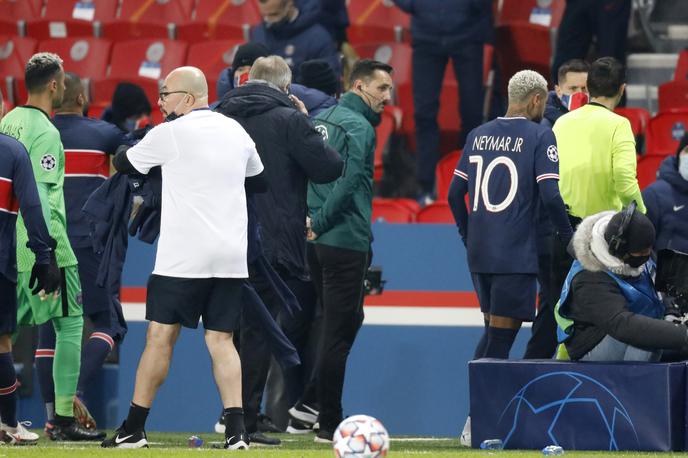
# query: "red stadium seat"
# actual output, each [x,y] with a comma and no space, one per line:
[8,27]
[389,123]
[665,132]
[681,73]
[220,19]
[147,58]
[436,212]
[14,53]
[672,95]
[69,18]
[444,173]
[103,89]
[87,57]
[20,9]
[521,45]
[147,19]
[212,57]
[520,11]
[639,119]
[647,170]
[376,21]
[394,210]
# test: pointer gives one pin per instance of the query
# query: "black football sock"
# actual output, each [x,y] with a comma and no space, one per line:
[482,343]
[136,420]
[63,421]
[499,342]
[8,390]
[234,421]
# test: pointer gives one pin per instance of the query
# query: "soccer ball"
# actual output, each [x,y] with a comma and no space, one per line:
[360,436]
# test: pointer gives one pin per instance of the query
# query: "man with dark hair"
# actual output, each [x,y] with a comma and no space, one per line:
[30,124]
[318,86]
[571,79]
[292,152]
[340,237]
[597,157]
[88,144]
[129,106]
[18,192]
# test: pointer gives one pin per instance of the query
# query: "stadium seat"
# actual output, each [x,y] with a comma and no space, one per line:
[389,123]
[102,90]
[20,9]
[672,95]
[681,73]
[665,132]
[220,19]
[147,58]
[8,27]
[444,173]
[87,57]
[647,170]
[147,19]
[376,21]
[437,212]
[14,53]
[70,18]
[521,45]
[212,57]
[521,10]
[394,210]
[639,119]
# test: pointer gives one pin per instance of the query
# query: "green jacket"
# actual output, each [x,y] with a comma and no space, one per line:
[341,211]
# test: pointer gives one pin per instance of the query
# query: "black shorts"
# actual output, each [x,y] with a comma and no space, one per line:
[173,300]
[95,298]
[8,306]
[508,295]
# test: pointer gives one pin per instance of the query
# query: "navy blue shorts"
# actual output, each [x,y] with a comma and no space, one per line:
[8,306]
[95,298]
[508,295]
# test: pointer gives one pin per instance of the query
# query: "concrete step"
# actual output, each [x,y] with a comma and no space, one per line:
[650,69]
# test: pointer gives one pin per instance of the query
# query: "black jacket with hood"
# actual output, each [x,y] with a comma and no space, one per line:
[292,152]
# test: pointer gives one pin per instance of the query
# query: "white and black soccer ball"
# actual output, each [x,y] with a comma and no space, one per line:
[361,436]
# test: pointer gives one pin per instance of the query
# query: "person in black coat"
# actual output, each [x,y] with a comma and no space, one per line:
[292,152]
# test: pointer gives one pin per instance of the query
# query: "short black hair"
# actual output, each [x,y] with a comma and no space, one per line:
[572,66]
[73,87]
[40,70]
[605,78]
[364,69]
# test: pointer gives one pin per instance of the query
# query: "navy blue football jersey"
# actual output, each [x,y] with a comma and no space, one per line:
[88,144]
[503,161]
[18,191]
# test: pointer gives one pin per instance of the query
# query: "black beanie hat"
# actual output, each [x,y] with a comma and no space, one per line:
[317,74]
[129,100]
[247,54]
[682,144]
[639,235]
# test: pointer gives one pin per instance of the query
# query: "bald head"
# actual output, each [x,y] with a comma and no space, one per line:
[189,79]
[75,99]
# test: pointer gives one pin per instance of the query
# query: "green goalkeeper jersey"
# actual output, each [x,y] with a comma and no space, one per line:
[32,127]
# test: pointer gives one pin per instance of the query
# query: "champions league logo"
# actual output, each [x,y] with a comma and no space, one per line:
[322,130]
[568,401]
[48,162]
[552,153]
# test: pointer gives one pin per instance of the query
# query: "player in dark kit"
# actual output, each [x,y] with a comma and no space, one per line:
[88,143]
[18,191]
[507,165]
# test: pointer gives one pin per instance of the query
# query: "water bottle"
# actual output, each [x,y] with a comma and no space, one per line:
[552,450]
[195,442]
[492,444]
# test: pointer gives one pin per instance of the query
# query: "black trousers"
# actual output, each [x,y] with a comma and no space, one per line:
[543,341]
[607,20]
[338,276]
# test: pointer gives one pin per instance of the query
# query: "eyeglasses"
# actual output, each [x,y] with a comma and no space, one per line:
[163,95]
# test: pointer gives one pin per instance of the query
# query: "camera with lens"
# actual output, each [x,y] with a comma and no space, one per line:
[672,277]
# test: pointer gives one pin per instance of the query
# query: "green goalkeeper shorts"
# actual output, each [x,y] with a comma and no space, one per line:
[31,310]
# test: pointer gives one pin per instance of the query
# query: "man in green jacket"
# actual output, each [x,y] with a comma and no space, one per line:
[340,234]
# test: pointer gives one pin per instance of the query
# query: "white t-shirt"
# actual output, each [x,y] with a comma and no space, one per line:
[205,158]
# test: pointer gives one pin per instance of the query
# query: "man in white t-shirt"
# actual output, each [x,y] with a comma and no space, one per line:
[207,160]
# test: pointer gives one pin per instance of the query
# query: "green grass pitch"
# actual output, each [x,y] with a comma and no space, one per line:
[175,445]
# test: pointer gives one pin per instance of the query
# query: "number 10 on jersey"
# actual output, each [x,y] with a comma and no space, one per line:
[482,182]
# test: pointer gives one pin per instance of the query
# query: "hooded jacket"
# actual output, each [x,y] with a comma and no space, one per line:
[598,307]
[667,207]
[316,101]
[554,109]
[341,211]
[292,152]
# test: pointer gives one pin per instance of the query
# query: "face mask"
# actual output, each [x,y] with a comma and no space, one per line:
[240,80]
[683,167]
[636,261]
[573,101]
[172,116]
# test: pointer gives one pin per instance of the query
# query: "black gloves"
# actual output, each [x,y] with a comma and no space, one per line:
[45,277]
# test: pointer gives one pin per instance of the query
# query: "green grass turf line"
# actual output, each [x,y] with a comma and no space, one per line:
[293,446]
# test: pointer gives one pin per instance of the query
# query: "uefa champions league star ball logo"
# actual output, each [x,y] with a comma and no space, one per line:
[48,162]
[558,403]
[322,130]
[552,153]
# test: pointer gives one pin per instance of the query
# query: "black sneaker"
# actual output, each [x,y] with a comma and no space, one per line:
[260,438]
[238,442]
[298,427]
[121,439]
[73,431]
[324,436]
[304,413]
[266,425]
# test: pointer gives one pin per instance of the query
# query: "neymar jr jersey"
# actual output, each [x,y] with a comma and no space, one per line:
[32,127]
[503,161]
